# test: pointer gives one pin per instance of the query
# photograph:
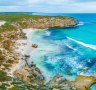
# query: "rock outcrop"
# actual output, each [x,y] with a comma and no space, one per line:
[48,22]
[84,82]
[60,83]
[34,45]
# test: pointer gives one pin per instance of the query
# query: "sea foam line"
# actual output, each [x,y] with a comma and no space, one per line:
[80,24]
[84,44]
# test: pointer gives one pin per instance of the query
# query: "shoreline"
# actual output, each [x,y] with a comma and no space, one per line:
[24,47]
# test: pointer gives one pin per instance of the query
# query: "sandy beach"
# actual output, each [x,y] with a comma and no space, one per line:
[22,47]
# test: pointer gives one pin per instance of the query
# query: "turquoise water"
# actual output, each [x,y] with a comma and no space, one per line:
[56,54]
[85,33]
[93,87]
[67,51]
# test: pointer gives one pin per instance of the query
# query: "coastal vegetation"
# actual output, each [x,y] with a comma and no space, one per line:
[21,17]
[25,21]
[29,77]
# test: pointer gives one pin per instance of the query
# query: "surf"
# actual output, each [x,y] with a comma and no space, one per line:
[84,44]
[80,24]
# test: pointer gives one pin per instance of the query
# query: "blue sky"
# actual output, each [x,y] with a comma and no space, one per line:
[53,6]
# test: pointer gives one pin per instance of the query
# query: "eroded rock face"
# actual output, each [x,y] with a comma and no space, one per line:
[31,75]
[81,83]
[60,83]
[47,22]
[84,82]
[23,73]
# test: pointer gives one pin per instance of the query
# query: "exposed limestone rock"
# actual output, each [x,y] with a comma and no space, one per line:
[60,83]
[31,75]
[47,22]
[23,73]
[84,82]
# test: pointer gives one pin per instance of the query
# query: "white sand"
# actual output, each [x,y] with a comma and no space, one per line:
[22,47]
[2,23]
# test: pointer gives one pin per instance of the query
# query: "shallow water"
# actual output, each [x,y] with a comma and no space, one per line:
[66,51]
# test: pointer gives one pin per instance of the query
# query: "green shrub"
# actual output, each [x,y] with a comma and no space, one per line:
[10,61]
[4,77]
[15,88]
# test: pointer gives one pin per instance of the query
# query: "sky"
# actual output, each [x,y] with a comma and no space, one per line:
[48,6]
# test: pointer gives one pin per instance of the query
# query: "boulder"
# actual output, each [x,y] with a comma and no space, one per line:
[34,45]
[60,83]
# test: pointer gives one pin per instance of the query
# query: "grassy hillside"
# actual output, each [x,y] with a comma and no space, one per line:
[14,17]
[33,21]
[19,17]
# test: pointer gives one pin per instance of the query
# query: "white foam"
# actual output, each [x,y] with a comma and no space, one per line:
[84,44]
[48,33]
[80,24]
[71,47]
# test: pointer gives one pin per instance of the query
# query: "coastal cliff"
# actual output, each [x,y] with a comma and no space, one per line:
[40,22]
[48,22]
[15,76]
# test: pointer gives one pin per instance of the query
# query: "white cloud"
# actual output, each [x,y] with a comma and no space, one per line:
[85,7]
[49,2]
[62,6]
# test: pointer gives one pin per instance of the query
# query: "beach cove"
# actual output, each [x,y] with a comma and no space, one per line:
[43,49]
[45,57]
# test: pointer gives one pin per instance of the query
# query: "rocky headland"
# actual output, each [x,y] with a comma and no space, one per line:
[15,72]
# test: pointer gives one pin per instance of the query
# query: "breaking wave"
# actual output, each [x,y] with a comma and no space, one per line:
[80,24]
[84,44]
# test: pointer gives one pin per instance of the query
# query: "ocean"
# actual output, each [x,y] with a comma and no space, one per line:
[69,49]
[66,51]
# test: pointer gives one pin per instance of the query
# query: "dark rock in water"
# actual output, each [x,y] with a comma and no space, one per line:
[34,45]
[27,56]
[32,64]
